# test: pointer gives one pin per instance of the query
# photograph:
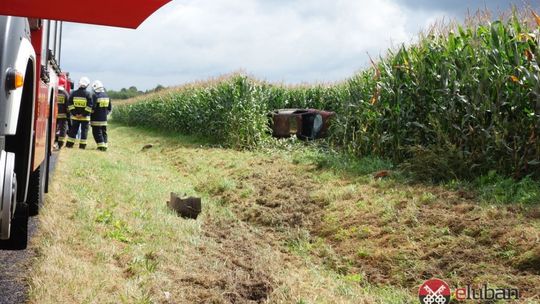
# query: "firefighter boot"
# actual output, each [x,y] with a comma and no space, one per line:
[69,145]
[82,146]
[60,145]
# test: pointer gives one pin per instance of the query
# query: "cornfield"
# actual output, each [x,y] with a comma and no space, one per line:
[232,110]
[466,101]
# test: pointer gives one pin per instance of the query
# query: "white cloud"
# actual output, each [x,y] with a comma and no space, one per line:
[291,41]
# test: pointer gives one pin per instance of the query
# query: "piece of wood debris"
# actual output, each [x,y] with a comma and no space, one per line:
[189,207]
[146,147]
[381,174]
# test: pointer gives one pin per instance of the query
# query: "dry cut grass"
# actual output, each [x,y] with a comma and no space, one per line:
[106,235]
[274,229]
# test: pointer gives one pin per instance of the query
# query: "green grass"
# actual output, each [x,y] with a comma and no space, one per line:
[490,188]
[495,189]
[340,162]
[107,236]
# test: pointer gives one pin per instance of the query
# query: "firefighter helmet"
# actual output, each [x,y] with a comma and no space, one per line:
[84,82]
[97,86]
[61,89]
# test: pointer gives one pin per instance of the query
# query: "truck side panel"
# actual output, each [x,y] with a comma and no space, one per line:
[15,52]
[46,92]
[44,105]
[40,125]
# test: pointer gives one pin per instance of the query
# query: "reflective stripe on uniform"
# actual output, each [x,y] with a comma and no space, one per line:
[62,139]
[72,107]
[71,140]
[84,118]
[103,102]
[62,116]
[83,142]
[98,123]
[88,109]
[61,99]
[79,102]
[102,145]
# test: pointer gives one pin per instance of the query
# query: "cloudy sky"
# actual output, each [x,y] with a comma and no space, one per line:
[288,41]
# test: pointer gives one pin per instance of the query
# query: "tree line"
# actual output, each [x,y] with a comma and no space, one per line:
[132,92]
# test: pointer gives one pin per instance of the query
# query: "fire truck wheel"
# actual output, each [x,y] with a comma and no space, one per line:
[36,190]
[19,230]
[18,239]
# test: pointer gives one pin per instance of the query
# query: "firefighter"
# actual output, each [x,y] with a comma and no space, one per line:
[102,108]
[80,106]
[62,120]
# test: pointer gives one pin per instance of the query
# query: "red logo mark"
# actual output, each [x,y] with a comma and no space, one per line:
[434,291]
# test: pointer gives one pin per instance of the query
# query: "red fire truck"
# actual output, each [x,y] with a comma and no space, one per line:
[30,56]
[30,49]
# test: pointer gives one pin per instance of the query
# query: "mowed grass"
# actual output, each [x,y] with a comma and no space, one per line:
[106,235]
[278,226]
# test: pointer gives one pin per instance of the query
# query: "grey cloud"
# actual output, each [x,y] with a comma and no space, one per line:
[278,40]
[460,7]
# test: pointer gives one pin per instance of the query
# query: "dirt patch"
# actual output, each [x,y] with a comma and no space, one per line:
[282,196]
[435,233]
[385,232]
[269,197]
[244,275]
[529,261]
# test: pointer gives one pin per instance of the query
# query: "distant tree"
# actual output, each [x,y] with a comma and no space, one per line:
[124,93]
[131,92]
[156,89]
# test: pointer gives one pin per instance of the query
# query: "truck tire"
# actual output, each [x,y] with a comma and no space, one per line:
[18,232]
[36,190]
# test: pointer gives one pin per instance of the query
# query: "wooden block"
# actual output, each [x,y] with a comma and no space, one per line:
[189,207]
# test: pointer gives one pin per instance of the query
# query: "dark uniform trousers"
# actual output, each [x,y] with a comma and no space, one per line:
[72,133]
[80,106]
[62,119]
[61,128]
[102,108]
[100,134]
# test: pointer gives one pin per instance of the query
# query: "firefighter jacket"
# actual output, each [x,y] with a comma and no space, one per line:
[80,105]
[63,112]
[102,108]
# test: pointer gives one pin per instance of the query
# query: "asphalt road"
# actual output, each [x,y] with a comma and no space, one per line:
[14,265]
